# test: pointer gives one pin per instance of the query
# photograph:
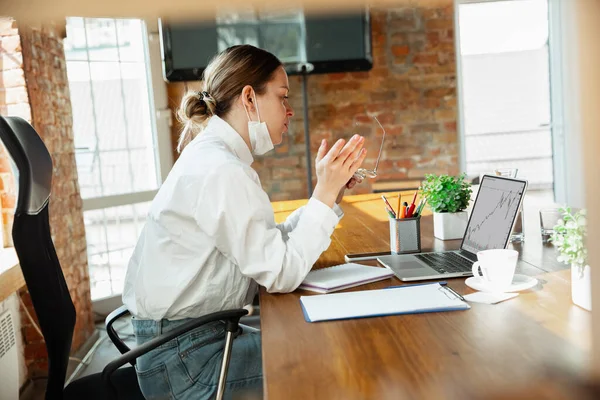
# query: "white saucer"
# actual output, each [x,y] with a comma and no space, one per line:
[520,282]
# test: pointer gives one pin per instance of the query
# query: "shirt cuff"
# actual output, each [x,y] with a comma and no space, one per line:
[322,212]
[338,211]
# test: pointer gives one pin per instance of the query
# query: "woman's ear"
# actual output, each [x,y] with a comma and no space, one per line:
[248,98]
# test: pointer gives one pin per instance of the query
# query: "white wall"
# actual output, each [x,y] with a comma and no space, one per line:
[12,304]
[569,51]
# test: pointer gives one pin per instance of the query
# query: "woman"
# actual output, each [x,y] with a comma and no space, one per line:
[210,236]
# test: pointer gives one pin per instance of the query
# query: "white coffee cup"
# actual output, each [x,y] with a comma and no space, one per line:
[497,268]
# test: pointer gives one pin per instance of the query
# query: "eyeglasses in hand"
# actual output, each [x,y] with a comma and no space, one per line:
[363,173]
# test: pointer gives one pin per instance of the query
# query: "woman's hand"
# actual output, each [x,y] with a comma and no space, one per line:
[351,183]
[336,167]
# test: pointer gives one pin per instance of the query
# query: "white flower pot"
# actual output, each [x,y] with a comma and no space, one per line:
[581,286]
[448,226]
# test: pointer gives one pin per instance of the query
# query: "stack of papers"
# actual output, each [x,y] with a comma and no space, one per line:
[344,276]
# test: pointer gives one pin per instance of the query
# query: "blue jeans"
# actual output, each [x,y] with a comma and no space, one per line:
[188,366]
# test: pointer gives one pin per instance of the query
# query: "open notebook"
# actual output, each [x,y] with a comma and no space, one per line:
[406,299]
[344,276]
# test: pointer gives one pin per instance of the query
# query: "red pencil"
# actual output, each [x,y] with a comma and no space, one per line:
[411,209]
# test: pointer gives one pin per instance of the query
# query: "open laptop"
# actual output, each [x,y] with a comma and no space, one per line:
[490,225]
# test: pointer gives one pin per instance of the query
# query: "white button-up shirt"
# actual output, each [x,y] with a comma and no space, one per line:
[210,235]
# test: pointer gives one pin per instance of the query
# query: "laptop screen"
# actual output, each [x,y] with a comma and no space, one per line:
[493,214]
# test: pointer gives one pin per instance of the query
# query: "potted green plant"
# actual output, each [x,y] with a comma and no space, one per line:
[569,238]
[448,197]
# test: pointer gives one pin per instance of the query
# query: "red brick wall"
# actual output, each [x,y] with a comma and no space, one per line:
[35,87]
[13,101]
[411,89]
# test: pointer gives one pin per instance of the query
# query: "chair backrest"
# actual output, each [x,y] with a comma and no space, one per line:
[35,249]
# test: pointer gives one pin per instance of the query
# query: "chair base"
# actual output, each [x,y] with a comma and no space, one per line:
[91,387]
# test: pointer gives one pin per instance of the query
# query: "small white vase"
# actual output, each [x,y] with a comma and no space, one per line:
[581,286]
[448,226]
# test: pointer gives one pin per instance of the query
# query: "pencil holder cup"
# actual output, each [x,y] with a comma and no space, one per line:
[405,235]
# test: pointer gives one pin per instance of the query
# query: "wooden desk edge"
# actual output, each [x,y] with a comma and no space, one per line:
[11,277]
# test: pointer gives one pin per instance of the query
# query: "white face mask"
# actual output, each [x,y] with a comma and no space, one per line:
[260,140]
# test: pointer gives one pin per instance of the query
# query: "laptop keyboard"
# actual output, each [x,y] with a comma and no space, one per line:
[446,263]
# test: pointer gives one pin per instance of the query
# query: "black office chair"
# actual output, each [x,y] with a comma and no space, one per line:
[50,294]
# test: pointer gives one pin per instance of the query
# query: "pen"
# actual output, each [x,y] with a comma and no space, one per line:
[388,205]
[441,283]
[411,208]
[403,212]
[407,215]
[454,292]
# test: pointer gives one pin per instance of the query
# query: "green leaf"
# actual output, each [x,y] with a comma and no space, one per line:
[569,237]
[446,193]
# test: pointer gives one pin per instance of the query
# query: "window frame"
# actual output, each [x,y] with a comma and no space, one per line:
[558,139]
[160,122]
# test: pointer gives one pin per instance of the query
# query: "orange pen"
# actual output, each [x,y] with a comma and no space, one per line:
[403,212]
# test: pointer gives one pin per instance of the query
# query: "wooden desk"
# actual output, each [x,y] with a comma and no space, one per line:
[418,356]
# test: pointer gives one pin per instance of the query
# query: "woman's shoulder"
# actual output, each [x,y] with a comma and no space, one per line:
[187,185]
[210,169]
[205,157]
[231,171]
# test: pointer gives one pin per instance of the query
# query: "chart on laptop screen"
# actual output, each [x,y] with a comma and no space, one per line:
[493,214]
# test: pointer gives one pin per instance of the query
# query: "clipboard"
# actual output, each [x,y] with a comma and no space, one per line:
[399,300]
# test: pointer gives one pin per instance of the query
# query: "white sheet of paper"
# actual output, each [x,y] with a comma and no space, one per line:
[489,298]
[368,303]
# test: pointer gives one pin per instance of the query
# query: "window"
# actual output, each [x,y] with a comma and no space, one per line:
[505,86]
[115,128]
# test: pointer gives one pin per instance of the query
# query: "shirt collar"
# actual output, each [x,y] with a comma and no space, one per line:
[219,127]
